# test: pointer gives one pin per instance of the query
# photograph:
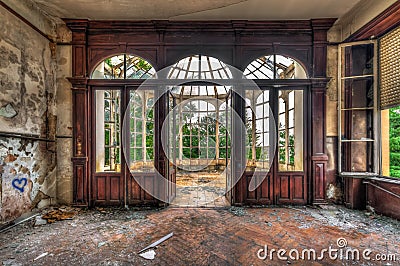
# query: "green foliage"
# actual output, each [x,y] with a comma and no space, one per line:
[142,64]
[108,62]
[394,133]
[249,140]
[291,149]
[282,149]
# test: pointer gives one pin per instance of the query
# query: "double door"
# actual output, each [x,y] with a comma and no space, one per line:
[130,139]
[272,166]
[129,165]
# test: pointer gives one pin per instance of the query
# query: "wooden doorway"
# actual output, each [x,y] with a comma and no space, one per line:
[276,149]
[201,145]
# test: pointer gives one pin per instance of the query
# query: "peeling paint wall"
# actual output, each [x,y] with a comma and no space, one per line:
[27,106]
[333,183]
[26,181]
[64,125]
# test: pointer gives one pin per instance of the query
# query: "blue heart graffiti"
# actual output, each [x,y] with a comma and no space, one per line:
[20,184]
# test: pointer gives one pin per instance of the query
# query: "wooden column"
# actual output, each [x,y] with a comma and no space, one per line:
[317,109]
[319,158]
[80,116]
[161,161]
[238,147]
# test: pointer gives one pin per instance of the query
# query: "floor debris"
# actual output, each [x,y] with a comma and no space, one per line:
[200,236]
[148,255]
[238,211]
[101,244]
[153,245]
[40,221]
[41,256]
[58,215]
[24,218]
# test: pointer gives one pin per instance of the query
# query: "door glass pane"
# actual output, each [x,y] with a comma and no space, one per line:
[290,130]
[108,129]
[258,125]
[141,121]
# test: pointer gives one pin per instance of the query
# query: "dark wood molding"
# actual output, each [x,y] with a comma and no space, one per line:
[228,82]
[320,157]
[381,24]
[78,82]
[322,23]
[203,26]
[319,83]
[81,188]
[77,25]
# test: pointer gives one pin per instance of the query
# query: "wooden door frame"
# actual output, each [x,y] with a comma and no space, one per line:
[92,162]
[236,43]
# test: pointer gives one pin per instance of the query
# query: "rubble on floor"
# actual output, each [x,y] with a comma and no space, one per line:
[59,214]
[232,236]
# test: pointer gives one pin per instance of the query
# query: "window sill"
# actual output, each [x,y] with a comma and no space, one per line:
[386,179]
[358,174]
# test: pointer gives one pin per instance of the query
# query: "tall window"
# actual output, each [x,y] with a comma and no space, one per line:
[108,115]
[357,109]
[290,121]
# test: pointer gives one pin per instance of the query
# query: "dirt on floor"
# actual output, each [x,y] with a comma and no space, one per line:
[215,179]
[225,236]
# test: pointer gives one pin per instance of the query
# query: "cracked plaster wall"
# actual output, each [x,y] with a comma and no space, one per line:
[64,125]
[27,106]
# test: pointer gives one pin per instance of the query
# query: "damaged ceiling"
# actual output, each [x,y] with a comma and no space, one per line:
[195,10]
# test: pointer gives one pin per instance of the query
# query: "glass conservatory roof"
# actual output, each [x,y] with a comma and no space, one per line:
[200,67]
[213,91]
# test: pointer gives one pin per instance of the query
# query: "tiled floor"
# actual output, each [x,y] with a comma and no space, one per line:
[201,236]
[200,189]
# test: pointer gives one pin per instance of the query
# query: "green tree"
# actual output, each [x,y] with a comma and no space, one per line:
[394,133]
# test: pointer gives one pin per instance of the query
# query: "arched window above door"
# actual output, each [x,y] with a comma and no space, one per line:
[124,66]
[200,67]
[275,67]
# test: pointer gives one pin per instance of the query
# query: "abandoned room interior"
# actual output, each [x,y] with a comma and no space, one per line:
[233,124]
